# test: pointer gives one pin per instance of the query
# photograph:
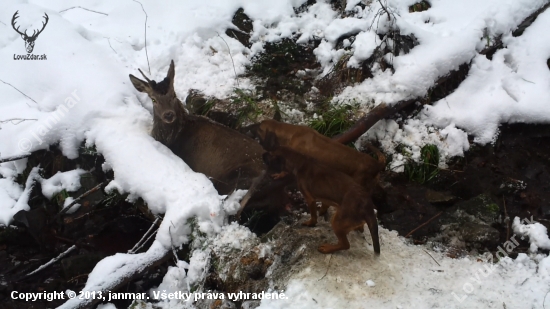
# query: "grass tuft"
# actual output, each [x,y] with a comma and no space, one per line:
[246,105]
[427,169]
[337,119]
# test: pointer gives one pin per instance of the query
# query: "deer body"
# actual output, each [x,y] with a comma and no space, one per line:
[230,159]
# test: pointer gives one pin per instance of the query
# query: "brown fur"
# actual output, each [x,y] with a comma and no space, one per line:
[363,168]
[230,159]
[319,182]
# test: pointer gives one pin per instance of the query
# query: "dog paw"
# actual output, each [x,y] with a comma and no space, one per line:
[310,223]
[279,175]
[328,248]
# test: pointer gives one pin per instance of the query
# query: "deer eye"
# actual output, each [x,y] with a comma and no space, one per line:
[154,101]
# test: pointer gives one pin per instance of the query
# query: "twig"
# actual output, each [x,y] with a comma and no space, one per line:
[109,40]
[19,91]
[423,224]
[77,277]
[146,53]
[229,51]
[92,190]
[433,258]
[506,218]
[79,7]
[18,157]
[52,261]
[544,300]
[328,266]
[144,235]
[19,120]
[172,243]
[147,240]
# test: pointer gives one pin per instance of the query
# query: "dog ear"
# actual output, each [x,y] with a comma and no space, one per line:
[270,141]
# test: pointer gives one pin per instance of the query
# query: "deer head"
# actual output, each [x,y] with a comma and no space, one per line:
[29,40]
[169,114]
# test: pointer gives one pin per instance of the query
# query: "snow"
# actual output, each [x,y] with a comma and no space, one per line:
[406,276]
[536,232]
[81,93]
[68,181]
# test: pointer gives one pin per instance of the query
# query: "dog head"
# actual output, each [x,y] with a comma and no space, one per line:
[263,132]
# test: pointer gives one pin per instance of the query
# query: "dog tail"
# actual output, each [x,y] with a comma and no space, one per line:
[381,157]
[372,223]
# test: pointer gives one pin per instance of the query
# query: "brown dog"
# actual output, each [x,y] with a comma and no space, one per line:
[319,182]
[363,168]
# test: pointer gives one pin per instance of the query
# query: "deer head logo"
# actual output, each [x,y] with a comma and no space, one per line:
[29,40]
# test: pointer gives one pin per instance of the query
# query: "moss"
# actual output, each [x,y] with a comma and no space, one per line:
[419,6]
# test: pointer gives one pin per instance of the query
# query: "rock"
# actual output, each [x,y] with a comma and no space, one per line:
[244,24]
[198,104]
[436,197]
[482,207]
[481,234]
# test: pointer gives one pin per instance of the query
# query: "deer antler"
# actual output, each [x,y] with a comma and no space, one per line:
[13,24]
[34,35]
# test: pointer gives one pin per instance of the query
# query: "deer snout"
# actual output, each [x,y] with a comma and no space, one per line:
[169,117]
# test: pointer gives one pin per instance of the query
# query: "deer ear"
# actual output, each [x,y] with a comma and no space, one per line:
[141,86]
[171,74]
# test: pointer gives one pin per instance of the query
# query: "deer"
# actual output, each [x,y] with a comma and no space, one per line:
[229,158]
[29,40]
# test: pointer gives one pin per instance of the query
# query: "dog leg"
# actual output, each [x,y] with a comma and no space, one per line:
[312,205]
[341,228]
[323,212]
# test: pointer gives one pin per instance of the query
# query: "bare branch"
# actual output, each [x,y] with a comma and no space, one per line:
[79,7]
[52,261]
[423,224]
[19,91]
[229,51]
[146,54]
[14,158]
[140,243]
[16,121]
[92,190]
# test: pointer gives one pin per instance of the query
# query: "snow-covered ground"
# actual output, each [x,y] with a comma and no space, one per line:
[82,93]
